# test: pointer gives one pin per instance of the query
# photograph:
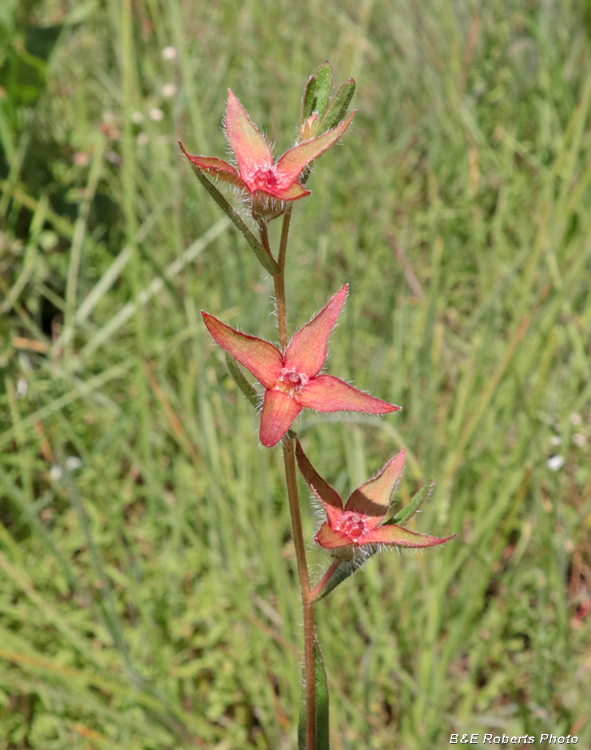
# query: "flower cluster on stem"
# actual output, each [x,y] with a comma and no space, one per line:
[291,376]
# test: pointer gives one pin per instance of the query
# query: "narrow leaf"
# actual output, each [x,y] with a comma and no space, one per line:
[308,101]
[264,258]
[337,111]
[241,381]
[341,573]
[324,80]
[322,735]
[411,508]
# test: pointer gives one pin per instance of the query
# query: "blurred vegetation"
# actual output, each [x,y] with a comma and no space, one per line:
[147,592]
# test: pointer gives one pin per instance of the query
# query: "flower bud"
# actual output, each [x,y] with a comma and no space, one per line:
[309,127]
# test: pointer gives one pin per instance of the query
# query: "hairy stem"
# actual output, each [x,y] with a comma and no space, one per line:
[294,503]
[307,602]
[283,241]
[278,279]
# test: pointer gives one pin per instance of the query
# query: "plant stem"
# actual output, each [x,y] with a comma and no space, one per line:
[307,602]
[294,504]
[283,241]
[279,281]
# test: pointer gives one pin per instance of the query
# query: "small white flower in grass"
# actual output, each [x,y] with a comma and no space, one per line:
[169,53]
[21,388]
[578,439]
[554,463]
[168,90]
[576,419]
[555,440]
[137,118]
[55,472]
[156,114]
[73,463]
[48,240]
[142,139]
[25,362]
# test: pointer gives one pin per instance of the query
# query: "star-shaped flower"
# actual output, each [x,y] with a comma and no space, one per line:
[291,379]
[257,172]
[351,526]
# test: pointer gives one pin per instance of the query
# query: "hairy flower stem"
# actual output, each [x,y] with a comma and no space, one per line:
[307,602]
[294,503]
[279,280]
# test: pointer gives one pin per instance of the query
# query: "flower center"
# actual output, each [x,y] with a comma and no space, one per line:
[291,382]
[263,179]
[352,524]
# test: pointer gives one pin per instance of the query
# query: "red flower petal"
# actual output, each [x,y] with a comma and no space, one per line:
[291,164]
[372,499]
[279,411]
[250,148]
[326,393]
[292,193]
[400,537]
[307,349]
[217,167]
[331,539]
[323,491]
[258,356]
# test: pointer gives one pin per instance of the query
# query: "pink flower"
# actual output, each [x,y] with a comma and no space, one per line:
[291,379]
[257,171]
[356,524]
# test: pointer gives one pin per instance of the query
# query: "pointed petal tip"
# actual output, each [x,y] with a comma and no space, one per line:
[398,536]
[382,407]
[373,497]
[245,139]
[326,393]
[260,358]
[307,349]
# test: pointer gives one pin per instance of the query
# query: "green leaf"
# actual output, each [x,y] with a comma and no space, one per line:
[411,508]
[340,574]
[264,258]
[322,735]
[340,104]
[309,99]
[324,80]
[241,381]
[40,40]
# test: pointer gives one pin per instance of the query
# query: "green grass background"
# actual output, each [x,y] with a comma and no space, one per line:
[148,597]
